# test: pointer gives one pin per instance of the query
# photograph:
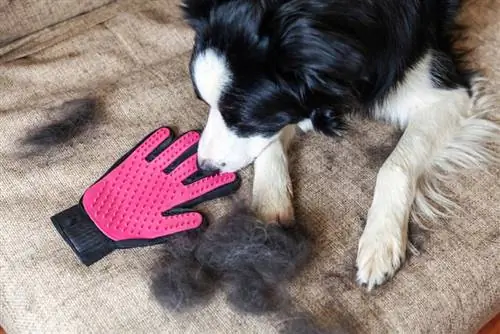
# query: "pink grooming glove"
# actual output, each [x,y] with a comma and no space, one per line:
[143,198]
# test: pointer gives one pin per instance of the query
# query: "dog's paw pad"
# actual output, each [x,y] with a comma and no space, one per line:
[379,257]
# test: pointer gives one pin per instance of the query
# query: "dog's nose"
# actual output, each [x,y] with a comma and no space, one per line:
[207,166]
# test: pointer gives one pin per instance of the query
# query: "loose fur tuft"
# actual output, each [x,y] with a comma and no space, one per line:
[74,118]
[180,282]
[476,144]
[250,259]
[253,259]
[183,284]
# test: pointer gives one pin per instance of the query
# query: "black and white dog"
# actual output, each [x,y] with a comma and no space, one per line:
[265,66]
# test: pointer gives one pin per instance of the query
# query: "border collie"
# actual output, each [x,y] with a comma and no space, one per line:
[265,66]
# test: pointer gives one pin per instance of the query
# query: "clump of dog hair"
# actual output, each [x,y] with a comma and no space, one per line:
[180,282]
[183,284]
[182,245]
[74,117]
[253,259]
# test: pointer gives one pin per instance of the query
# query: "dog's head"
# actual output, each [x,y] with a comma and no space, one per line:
[262,65]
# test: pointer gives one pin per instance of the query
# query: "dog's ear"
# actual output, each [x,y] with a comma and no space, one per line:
[309,46]
[314,49]
[197,12]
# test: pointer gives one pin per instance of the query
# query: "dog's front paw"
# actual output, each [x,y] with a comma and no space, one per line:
[272,201]
[272,187]
[381,252]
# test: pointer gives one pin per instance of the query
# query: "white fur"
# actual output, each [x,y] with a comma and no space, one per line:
[474,145]
[440,133]
[305,125]
[219,145]
[416,90]
[211,75]
[272,188]
[224,149]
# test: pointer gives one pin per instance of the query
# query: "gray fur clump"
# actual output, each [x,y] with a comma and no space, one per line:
[180,282]
[183,284]
[253,259]
[250,259]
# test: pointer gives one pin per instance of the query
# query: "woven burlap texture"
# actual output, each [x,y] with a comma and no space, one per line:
[133,55]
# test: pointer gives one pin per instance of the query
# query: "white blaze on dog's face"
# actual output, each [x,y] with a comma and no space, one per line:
[220,147]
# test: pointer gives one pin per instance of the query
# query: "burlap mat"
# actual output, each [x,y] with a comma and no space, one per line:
[133,55]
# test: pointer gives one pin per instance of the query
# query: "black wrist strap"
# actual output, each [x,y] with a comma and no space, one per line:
[82,235]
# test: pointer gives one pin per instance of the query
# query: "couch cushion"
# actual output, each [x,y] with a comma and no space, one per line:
[136,63]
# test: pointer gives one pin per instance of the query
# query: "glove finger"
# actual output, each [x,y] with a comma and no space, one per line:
[211,187]
[154,144]
[178,151]
[185,169]
[188,172]
[175,221]
[147,149]
[181,220]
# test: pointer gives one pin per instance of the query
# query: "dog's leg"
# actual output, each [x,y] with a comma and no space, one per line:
[440,134]
[272,188]
[382,246]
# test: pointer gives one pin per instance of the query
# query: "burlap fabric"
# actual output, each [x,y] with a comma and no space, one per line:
[133,55]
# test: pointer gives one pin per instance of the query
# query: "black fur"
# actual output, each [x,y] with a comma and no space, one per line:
[320,59]
[179,281]
[182,245]
[252,260]
[74,117]
[182,284]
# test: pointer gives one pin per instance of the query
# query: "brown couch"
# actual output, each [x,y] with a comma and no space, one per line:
[133,55]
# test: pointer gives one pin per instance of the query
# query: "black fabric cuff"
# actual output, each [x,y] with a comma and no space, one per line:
[83,236]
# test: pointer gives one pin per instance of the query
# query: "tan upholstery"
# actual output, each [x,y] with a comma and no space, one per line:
[134,56]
